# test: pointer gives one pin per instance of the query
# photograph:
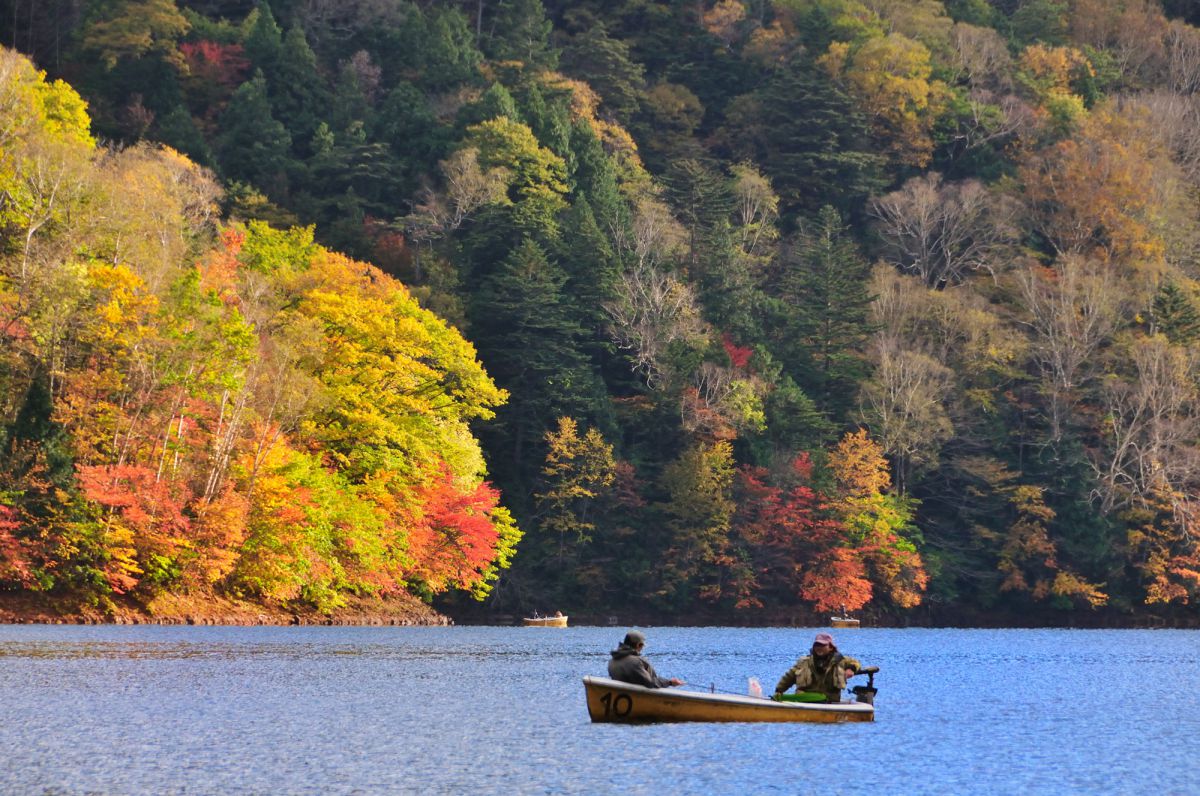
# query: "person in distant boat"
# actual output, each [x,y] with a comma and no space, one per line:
[823,671]
[628,665]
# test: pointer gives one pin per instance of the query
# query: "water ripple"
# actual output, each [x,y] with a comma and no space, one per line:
[382,710]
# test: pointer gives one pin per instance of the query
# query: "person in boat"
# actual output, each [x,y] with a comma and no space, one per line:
[628,665]
[824,670]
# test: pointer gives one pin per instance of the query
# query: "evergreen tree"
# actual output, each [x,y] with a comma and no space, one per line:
[252,145]
[824,291]
[591,267]
[298,96]
[434,49]
[349,104]
[529,344]
[264,39]
[701,198]
[794,422]
[406,123]
[1174,314]
[592,271]
[606,65]
[548,117]
[1044,21]
[809,138]
[34,430]
[496,101]
[594,177]
[519,31]
[178,130]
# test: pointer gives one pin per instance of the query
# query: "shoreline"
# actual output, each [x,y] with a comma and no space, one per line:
[22,608]
[378,620]
[401,610]
[927,619]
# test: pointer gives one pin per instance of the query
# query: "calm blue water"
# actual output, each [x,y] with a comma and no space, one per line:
[461,710]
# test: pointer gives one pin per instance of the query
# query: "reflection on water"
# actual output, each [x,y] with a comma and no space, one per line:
[365,710]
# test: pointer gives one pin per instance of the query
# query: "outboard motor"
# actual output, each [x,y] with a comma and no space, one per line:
[866,693]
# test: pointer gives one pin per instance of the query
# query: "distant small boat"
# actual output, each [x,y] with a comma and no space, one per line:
[614,701]
[545,621]
[842,621]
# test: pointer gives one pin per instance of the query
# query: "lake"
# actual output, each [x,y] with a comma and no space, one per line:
[463,710]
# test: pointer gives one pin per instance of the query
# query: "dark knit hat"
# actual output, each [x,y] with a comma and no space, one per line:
[634,638]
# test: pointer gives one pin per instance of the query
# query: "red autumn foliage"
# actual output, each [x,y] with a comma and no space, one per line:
[794,545]
[14,562]
[625,489]
[452,538]
[224,65]
[702,419]
[151,507]
[389,248]
[214,71]
[739,356]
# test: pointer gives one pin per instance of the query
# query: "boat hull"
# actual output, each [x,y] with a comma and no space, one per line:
[614,701]
[836,622]
[545,621]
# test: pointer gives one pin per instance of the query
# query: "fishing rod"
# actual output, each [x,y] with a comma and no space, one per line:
[712,689]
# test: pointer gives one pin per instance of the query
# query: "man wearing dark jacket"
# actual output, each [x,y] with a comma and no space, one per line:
[628,665]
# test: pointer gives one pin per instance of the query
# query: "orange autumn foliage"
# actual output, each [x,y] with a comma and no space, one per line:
[14,562]
[878,522]
[452,538]
[1104,192]
[792,544]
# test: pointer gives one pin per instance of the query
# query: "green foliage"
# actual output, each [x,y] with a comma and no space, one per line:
[130,29]
[608,67]
[824,291]
[407,124]
[1042,21]
[263,38]
[435,49]
[531,346]
[808,136]
[1174,313]
[253,145]
[794,422]
[178,130]
[297,91]
[699,511]
[519,31]
[495,103]
[270,250]
[972,12]
[538,175]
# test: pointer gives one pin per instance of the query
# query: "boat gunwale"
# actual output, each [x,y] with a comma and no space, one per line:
[730,699]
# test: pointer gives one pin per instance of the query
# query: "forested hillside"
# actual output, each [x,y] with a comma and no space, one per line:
[772,305]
